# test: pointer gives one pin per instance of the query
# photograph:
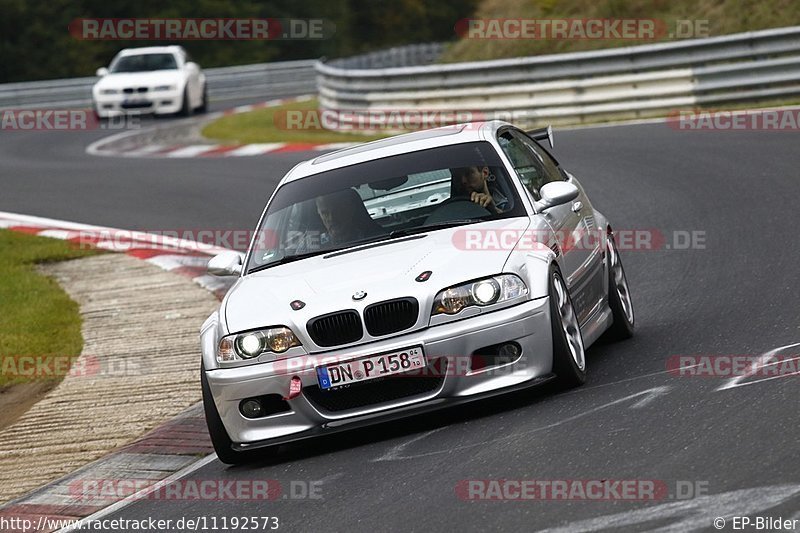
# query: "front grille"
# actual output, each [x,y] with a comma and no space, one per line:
[131,90]
[380,390]
[342,327]
[391,316]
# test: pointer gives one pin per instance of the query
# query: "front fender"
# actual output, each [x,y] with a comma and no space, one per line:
[209,339]
[534,267]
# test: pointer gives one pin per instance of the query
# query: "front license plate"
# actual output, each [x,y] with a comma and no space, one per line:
[374,366]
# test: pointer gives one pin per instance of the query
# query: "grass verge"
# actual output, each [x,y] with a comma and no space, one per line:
[38,320]
[295,122]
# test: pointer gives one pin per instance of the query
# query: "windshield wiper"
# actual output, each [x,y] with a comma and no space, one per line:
[433,227]
[290,258]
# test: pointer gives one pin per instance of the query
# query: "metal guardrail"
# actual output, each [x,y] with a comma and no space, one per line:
[267,80]
[579,87]
[399,56]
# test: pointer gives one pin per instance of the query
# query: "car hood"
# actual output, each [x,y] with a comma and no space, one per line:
[327,284]
[143,79]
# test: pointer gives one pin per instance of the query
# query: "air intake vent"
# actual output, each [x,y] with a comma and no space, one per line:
[335,329]
[391,316]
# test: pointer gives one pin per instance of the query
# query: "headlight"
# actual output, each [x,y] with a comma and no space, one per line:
[109,91]
[164,88]
[482,292]
[254,343]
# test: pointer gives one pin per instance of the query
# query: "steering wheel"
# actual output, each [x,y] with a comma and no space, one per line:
[455,208]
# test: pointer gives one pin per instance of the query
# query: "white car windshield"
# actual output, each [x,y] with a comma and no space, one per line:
[383,199]
[144,63]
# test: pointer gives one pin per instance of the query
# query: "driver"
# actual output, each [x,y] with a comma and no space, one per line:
[479,185]
[344,216]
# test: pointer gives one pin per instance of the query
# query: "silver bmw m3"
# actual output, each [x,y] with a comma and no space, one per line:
[408,274]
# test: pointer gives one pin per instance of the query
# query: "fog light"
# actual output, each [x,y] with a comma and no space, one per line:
[510,349]
[251,409]
[495,356]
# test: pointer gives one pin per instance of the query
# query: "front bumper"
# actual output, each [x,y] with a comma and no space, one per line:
[527,324]
[159,103]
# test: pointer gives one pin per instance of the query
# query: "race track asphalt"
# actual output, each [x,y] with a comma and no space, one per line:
[631,421]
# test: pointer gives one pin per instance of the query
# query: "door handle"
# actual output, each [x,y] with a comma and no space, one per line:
[577,206]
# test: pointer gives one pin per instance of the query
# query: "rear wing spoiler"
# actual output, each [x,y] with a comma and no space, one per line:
[542,134]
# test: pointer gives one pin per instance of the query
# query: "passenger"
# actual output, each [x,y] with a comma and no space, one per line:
[478,184]
[345,217]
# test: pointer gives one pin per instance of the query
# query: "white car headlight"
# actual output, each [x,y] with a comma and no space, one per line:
[482,292]
[254,343]
[164,88]
[109,91]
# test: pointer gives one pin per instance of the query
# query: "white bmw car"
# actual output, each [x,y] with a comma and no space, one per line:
[159,80]
[408,274]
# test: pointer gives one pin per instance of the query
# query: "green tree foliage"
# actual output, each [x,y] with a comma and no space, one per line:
[35,42]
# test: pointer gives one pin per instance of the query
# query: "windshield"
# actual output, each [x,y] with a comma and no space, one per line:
[384,199]
[144,63]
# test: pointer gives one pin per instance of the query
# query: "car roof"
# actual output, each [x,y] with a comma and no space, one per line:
[171,49]
[398,144]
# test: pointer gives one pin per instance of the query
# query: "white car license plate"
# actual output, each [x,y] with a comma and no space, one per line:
[374,366]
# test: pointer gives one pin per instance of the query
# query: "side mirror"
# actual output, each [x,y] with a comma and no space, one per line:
[102,71]
[556,193]
[226,264]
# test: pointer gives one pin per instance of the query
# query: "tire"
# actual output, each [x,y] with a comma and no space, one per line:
[204,104]
[569,354]
[216,430]
[186,106]
[619,295]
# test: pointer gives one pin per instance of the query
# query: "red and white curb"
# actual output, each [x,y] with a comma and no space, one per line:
[160,457]
[188,258]
[236,150]
[127,144]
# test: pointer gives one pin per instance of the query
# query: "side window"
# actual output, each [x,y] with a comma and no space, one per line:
[528,166]
[550,166]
